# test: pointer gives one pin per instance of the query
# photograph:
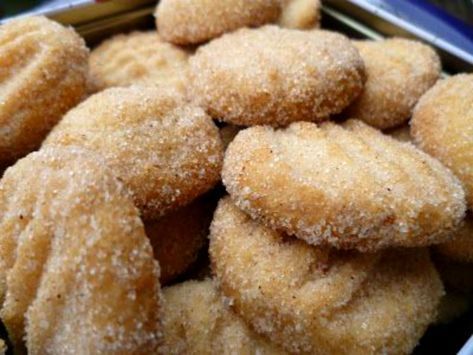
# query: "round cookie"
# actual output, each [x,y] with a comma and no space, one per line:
[167,151]
[196,21]
[322,301]
[196,320]
[442,125]
[138,58]
[77,273]
[399,71]
[178,237]
[276,76]
[345,186]
[43,74]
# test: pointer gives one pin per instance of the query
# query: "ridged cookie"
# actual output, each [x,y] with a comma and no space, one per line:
[43,74]
[321,301]
[345,186]
[166,150]
[138,58]
[197,321]
[77,273]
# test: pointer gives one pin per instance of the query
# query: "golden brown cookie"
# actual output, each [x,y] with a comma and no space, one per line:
[398,72]
[345,186]
[77,273]
[276,76]
[321,301]
[196,21]
[196,320]
[442,125]
[43,74]
[138,58]
[167,151]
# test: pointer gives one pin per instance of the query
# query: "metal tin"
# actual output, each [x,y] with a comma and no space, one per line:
[94,20]
[468,348]
[388,19]
[76,12]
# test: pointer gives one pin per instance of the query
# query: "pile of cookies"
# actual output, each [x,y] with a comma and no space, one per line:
[241,133]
